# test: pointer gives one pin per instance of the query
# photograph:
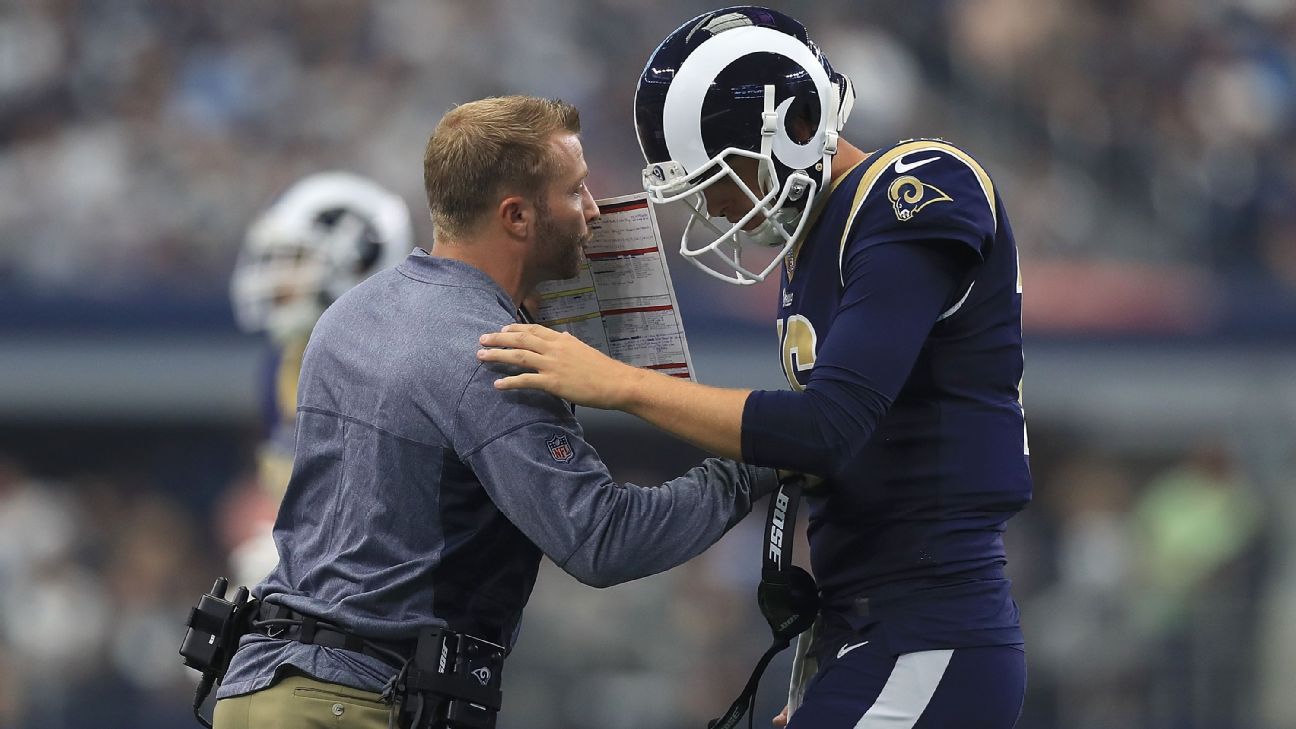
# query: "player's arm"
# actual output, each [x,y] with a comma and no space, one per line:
[709,417]
[895,293]
[898,276]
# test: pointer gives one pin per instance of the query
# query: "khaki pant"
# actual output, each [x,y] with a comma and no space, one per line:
[300,702]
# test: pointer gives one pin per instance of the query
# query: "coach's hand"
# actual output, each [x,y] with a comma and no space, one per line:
[562,365]
[781,720]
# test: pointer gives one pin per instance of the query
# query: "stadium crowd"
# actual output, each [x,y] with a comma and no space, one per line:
[1159,130]
[1140,580]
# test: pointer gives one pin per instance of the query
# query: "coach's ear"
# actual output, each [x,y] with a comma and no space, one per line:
[517,216]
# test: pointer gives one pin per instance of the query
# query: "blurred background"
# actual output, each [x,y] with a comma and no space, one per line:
[1145,151]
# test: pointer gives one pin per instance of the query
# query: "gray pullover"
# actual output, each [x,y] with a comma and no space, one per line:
[422,496]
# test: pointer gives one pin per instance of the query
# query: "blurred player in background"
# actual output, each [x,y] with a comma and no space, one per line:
[899,320]
[325,234]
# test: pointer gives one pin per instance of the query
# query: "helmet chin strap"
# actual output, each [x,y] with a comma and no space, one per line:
[769,127]
[768,232]
[831,133]
[841,101]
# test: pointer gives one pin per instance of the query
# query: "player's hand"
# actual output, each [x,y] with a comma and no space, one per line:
[781,720]
[562,365]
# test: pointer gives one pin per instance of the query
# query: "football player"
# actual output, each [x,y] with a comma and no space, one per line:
[326,233]
[899,325]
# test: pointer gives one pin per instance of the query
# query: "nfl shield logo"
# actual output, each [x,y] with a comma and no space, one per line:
[559,449]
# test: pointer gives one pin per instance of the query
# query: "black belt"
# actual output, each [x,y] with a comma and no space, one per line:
[277,621]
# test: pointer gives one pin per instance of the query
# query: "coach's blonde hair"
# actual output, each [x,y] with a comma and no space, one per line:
[484,150]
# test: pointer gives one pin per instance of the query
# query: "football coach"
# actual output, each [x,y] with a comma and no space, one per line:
[421,497]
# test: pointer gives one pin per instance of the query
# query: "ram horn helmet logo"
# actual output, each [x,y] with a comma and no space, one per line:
[483,675]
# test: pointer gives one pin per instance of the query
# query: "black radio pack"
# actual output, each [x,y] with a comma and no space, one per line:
[212,635]
[453,682]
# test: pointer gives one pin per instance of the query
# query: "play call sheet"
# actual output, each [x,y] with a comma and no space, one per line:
[622,301]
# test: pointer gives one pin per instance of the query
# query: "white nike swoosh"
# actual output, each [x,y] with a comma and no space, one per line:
[848,648]
[901,167]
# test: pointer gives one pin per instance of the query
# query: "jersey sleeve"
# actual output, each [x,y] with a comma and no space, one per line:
[893,298]
[529,453]
[923,190]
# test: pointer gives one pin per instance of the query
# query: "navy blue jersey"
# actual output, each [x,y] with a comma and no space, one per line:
[899,324]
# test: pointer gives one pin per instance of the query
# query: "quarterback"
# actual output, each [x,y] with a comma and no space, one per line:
[899,325]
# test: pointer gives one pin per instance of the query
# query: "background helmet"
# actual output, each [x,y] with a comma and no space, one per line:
[325,234]
[728,83]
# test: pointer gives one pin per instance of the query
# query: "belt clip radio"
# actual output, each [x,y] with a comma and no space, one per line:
[212,635]
[453,682]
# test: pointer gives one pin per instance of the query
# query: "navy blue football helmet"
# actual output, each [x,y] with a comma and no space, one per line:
[728,83]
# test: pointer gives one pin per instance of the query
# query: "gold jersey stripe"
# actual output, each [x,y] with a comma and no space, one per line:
[884,161]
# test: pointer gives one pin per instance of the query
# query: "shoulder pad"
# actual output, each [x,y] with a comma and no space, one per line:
[922,188]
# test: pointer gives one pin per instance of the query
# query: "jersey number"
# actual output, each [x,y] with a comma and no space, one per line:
[798,341]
